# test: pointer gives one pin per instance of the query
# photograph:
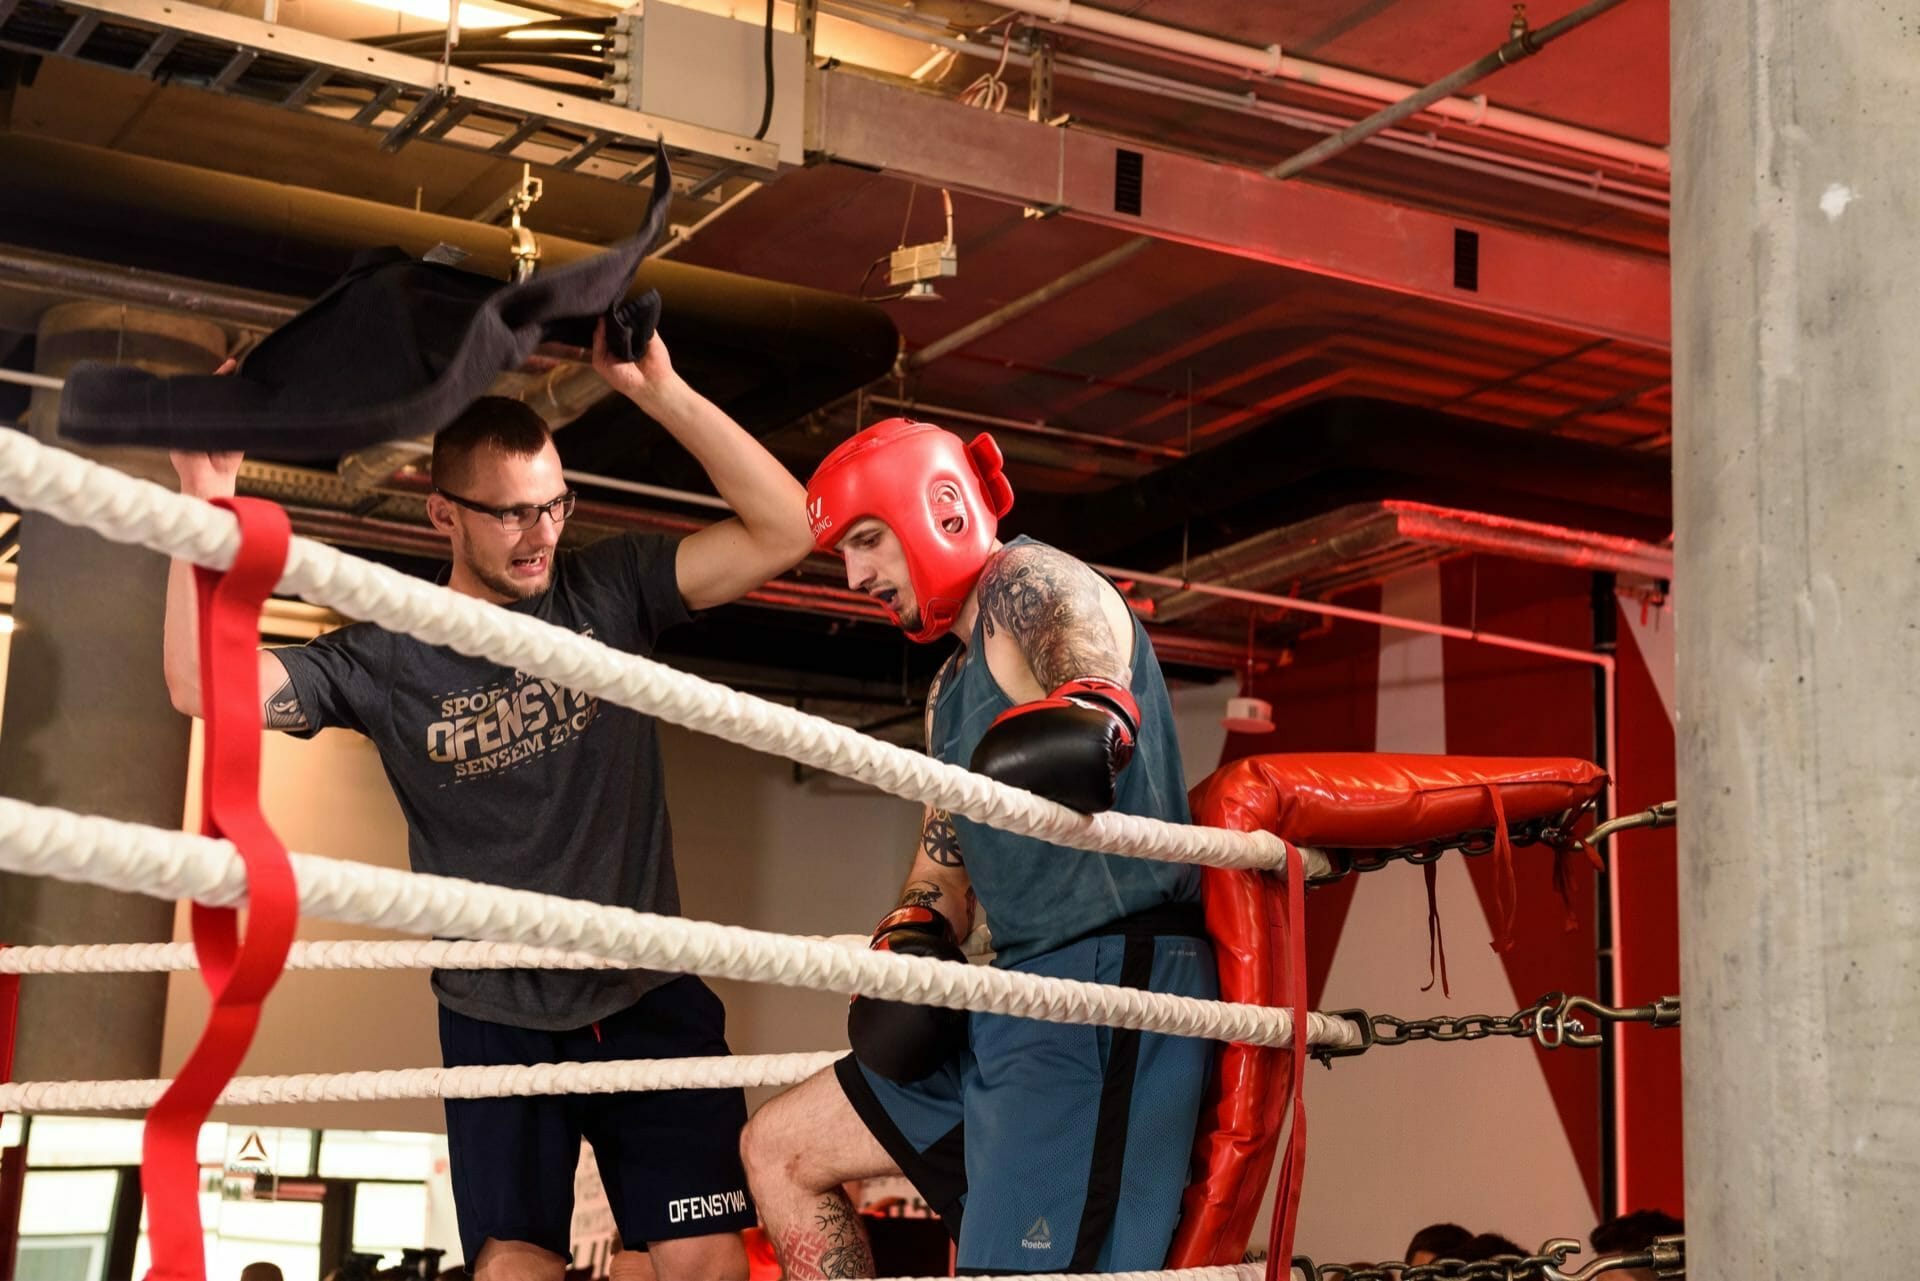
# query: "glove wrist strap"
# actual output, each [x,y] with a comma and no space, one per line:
[913,916]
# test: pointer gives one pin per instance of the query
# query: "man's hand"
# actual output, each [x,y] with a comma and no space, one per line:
[898,1039]
[643,381]
[208,475]
[1069,747]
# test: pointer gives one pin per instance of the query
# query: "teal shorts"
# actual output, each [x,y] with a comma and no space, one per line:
[1050,1147]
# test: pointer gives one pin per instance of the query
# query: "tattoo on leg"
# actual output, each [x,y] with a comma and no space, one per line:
[941,839]
[1050,604]
[921,894]
[834,1246]
[282,708]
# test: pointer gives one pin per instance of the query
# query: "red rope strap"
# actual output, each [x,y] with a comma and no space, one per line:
[1293,1166]
[238,970]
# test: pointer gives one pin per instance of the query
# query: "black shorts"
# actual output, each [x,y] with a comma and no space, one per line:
[670,1160]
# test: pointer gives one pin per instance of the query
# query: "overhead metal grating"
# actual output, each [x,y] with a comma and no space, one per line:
[403,96]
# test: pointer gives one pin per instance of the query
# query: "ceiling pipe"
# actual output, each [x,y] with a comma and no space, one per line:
[679,236]
[80,278]
[1271,62]
[647,491]
[1393,621]
[1521,43]
[1024,427]
[1000,317]
[1589,184]
[21,378]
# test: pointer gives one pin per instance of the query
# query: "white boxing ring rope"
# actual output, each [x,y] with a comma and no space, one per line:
[567,933]
[742,1071]
[79,492]
[173,865]
[340,954]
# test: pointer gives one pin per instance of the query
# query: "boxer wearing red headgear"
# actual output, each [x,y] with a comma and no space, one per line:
[907,495]
[943,501]
[1054,688]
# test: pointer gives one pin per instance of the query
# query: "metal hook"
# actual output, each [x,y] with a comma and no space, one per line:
[1667,1256]
[522,244]
[1665,814]
[1554,1027]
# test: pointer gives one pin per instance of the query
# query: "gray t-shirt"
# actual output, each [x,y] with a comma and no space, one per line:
[513,780]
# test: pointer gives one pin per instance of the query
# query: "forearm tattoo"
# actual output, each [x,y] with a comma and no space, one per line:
[940,840]
[921,894]
[1050,604]
[282,708]
[833,1247]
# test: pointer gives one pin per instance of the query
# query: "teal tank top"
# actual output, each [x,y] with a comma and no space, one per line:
[1038,895]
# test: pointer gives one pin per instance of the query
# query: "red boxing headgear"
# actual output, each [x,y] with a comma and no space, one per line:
[943,501]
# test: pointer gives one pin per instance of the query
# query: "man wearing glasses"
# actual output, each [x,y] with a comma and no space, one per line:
[507,778]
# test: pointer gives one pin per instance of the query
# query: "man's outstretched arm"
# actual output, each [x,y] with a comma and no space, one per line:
[767,534]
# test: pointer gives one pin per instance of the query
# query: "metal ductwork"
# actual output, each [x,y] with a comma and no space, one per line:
[1335,453]
[766,352]
[1369,542]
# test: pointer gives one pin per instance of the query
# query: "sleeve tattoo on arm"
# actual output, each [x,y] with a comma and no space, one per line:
[282,708]
[1050,604]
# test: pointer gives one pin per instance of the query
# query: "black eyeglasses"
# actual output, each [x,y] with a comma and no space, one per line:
[518,520]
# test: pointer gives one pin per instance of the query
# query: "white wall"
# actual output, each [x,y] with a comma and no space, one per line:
[1197,713]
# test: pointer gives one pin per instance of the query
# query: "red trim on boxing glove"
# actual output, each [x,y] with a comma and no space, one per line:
[1103,695]
[920,920]
[910,917]
[1094,694]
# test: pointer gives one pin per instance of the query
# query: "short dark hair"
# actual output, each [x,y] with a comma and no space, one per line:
[1438,1239]
[1633,1232]
[1488,1245]
[491,422]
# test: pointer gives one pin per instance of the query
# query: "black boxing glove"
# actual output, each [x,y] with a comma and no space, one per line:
[1068,747]
[897,1039]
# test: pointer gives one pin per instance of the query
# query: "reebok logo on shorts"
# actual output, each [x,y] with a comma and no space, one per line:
[682,1209]
[1039,1236]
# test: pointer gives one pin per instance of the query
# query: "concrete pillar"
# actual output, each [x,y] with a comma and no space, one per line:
[87,724]
[1796,276]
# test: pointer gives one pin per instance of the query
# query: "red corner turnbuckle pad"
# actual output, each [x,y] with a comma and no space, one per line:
[239,970]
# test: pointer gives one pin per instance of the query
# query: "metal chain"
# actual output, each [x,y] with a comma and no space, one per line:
[1506,1267]
[1665,1258]
[1556,831]
[1554,1020]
